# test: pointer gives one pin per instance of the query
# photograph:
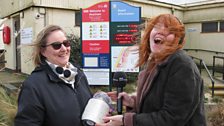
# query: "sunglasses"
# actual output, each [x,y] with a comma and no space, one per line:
[57,45]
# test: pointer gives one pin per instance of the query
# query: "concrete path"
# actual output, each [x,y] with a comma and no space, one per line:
[11,77]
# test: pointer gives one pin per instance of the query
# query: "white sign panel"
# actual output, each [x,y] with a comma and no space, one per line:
[191,29]
[91,62]
[97,76]
[124,58]
[95,31]
[26,35]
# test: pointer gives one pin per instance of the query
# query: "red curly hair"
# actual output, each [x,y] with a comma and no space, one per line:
[174,26]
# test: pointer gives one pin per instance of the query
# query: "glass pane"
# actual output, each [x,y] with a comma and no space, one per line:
[222,26]
[210,27]
[77,18]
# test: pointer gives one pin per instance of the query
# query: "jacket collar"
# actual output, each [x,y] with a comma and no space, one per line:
[170,58]
[51,75]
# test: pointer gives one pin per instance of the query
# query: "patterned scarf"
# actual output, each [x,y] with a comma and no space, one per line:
[67,74]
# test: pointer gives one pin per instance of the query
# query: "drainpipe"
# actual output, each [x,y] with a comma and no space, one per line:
[172,10]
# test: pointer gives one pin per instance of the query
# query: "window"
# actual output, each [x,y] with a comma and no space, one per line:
[222,26]
[209,27]
[77,18]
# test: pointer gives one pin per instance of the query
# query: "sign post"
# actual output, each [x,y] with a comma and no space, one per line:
[95,43]
[107,30]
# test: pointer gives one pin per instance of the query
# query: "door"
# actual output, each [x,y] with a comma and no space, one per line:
[17,42]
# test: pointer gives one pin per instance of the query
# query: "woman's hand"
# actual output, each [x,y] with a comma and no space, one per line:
[127,100]
[116,120]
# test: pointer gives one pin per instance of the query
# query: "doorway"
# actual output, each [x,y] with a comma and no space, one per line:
[16,33]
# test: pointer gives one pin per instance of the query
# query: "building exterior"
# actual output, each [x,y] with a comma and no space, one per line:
[1,40]
[27,17]
[205,29]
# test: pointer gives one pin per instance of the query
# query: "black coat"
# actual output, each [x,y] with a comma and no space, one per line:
[46,100]
[175,97]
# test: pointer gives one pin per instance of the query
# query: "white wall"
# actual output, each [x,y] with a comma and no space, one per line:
[195,39]
[63,18]
[193,20]
[192,17]
[29,20]
[1,39]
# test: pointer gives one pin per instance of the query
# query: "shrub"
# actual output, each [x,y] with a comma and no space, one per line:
[216,115]
[75,49]
[217,99]
[8,108]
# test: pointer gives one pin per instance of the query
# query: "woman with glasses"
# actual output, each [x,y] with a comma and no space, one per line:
[56,92]
[169,88]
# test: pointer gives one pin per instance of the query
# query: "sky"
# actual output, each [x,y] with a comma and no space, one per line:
[180,1]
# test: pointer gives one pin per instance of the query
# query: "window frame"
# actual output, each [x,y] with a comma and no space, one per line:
[209,27]
[221,26]
[78,18]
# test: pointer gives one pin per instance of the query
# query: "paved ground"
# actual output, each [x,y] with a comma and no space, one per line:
[16,79]
[10,77]
[7,76]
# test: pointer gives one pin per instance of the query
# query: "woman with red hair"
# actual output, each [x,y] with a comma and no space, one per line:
[169,88]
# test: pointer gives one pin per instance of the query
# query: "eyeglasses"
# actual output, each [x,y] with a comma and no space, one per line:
[57,45]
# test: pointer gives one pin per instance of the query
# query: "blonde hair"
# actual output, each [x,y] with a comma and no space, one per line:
[41,41]
[174,26]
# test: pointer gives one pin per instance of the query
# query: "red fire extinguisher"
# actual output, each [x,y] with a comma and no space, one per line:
[6,34]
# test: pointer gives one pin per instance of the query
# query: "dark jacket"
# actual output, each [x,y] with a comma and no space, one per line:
[175,96]
[46,100]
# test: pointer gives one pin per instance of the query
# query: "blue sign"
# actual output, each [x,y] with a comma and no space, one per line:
[122,12]
[96,60]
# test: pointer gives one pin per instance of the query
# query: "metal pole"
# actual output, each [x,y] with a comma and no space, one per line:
[213,67]
[223,70]
[212,88]
[200,66]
